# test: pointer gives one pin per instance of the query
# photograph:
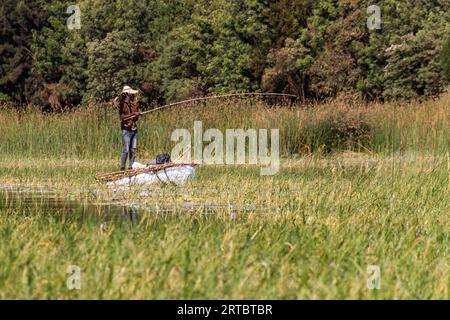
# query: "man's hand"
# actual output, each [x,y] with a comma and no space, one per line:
[136,114]
[133,115]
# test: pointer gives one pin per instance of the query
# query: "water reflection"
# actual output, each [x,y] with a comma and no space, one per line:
[129,215]
[31,201]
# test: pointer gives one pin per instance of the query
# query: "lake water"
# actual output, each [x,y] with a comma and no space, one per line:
[30,199]
[41,200]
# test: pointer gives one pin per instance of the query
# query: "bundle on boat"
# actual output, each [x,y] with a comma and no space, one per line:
[175,173]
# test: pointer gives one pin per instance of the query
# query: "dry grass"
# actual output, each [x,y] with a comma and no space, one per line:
[89,134]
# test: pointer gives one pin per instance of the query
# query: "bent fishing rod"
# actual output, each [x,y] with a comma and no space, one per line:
[215,97]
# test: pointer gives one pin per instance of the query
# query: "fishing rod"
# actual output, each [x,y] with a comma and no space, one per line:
[216,97]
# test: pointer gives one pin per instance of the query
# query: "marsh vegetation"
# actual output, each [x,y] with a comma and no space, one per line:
[360,186]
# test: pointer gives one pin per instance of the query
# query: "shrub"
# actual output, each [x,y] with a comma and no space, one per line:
[341,130]
[4,98]
[445,59]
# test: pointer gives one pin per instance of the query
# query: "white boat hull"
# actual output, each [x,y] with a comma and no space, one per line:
[174,175]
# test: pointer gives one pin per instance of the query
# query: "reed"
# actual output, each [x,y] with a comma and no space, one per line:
[94,133]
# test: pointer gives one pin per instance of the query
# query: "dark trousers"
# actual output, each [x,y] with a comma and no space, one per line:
[129,146]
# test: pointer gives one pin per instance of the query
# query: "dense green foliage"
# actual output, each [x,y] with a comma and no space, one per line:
[18,19]
[446,58]
[177,49]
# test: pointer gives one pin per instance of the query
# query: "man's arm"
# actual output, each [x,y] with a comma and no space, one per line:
[122,114]
[136,112]
[136,104]
[130,116]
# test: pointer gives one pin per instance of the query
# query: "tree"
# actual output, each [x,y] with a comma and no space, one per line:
[111,64]
[334,69]
[174,49]
[445,59]
[413,66]
[18,20]
[286,71]
[221,49]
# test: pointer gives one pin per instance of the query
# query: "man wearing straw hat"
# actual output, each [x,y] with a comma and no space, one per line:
[129,115]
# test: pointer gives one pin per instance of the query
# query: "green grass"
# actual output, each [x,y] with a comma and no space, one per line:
[317,225]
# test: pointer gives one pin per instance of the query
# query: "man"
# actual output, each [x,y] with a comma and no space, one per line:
[129,115]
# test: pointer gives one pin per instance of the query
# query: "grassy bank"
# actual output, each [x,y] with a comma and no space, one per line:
[312,230]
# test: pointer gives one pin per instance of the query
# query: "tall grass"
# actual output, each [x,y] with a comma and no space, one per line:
[94,133]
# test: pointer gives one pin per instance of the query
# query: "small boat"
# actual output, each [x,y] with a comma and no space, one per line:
[169,173]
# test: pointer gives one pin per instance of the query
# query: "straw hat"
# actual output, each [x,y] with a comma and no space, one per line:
[127,89]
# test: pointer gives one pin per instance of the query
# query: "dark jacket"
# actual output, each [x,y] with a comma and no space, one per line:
[126,109]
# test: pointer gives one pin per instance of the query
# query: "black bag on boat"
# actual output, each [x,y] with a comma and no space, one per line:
[163,158]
